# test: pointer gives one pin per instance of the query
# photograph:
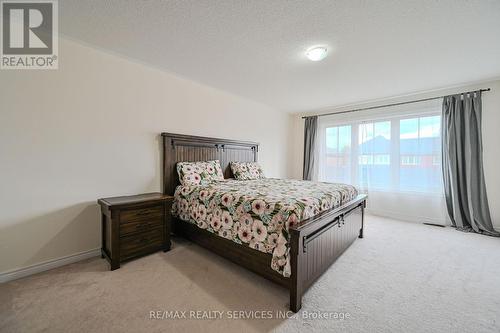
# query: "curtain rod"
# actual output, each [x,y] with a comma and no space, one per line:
[393,104]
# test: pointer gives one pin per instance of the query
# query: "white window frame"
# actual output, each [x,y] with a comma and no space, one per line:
[395,154]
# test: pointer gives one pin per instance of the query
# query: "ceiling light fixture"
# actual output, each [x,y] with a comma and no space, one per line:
[316,53]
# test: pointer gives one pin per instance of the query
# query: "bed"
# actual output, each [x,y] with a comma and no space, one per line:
[300,239]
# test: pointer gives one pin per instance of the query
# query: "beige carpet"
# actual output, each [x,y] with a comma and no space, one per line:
[400,277]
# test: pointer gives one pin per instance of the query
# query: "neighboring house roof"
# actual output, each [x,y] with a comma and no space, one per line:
[421,146]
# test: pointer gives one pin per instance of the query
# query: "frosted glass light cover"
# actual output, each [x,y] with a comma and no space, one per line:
[316,53]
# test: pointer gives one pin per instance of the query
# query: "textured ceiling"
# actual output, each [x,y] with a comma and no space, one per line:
[256,48]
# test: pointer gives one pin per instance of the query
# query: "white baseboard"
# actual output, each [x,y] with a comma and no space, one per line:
[403,217]
[46,265]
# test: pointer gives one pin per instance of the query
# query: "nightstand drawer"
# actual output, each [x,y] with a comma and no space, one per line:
[140,243]
[142,225]
[141,214]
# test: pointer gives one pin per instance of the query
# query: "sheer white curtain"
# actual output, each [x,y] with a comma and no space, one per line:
[392,153]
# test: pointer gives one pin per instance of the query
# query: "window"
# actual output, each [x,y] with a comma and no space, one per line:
[374,147]
[408,160]
[420,150]
[397,153]
[365,160]
[378,159]
[382,159]
[337,154]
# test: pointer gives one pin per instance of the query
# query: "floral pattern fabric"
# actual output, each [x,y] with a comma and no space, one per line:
[258,213]
[247,170]
[199,173]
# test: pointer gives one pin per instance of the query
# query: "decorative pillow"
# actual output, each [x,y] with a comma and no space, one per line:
[247,170]
[199,173]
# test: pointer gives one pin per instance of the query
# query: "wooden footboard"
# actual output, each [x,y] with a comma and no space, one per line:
[314,245]
[317,242]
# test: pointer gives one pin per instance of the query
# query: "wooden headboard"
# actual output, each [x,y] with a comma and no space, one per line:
[188,148]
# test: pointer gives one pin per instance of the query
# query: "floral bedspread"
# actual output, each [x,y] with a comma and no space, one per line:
[258,213]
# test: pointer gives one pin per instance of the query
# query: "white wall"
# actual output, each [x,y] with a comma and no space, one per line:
[91,129]
[434,208]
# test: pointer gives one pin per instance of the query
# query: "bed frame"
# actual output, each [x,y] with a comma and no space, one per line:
[315,243]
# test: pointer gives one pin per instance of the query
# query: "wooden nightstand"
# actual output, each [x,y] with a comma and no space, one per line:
[135,225]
